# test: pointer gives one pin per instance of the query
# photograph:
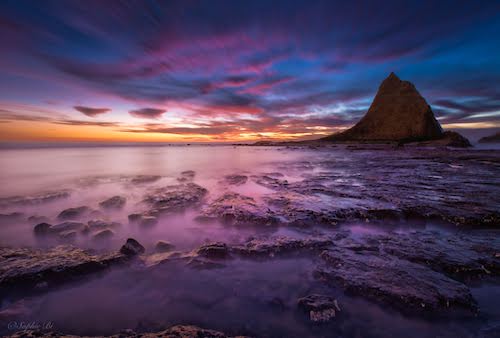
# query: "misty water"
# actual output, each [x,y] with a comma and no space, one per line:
[256,297]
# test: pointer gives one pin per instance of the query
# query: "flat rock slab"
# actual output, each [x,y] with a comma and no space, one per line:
[174,198]
[406,286]
[29,268]
[270,247]
[237,209]
[178,331]
[36,199]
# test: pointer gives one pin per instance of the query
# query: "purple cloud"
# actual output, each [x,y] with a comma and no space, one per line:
[92,112]
[147,113]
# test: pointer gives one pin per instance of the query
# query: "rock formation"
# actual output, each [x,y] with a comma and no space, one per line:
[398,113]
[495,138]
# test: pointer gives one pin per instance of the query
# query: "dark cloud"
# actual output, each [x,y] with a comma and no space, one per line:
[91,112]
[147,113]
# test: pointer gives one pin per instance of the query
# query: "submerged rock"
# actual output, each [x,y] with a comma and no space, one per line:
[321,308]
[40,198]
[144,179]
[74,213]
[236,209]
[11,217]
[132,248]
[235,179]
[115,202]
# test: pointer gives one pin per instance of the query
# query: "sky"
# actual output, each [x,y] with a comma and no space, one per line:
[237,71]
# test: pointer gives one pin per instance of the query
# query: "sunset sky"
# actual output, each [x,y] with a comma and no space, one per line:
[208,71]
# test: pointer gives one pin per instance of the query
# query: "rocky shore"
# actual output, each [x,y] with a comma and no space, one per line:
[409,232]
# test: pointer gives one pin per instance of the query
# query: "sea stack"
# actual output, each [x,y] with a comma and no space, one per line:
[398,113]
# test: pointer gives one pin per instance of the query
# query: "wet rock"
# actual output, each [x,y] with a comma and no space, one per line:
[73,213]
[204,264]
[146,221]
[216,250]
[235,179]
[11,217]
[270,182]
[270,247]
[66,226]
[42,229]
[163,246]
[419,289]
[102,224]
[67,236]
[175,198]
[178,331]
[27,268]
[40,198]
[134,217]
[103,235]
[186,176]
[115,202]
[144,179]
[461,257]
[321,308]
[132,248]
[236,209]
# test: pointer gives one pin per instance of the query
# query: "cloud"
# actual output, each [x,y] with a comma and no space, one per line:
[91,112]
[260,66]
[147,113]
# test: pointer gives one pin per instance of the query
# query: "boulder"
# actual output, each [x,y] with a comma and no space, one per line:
[73,213]
[103,235]
[321,308]
[132,248]
[42,229]
[115,202]
[163,246]
[216,250]
[101,224]
[66,226]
